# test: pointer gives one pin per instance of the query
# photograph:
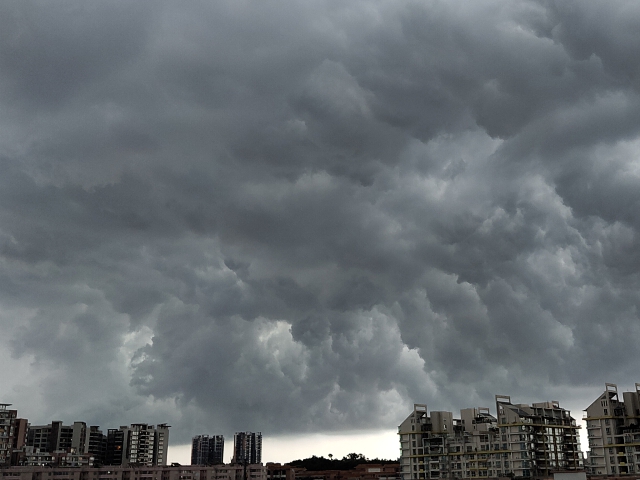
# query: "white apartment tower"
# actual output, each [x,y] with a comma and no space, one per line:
[613,428]
[522,441]
[147,445]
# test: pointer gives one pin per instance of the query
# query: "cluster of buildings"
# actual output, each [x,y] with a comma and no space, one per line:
[522,441]
[209,450]
[527,441]
[56,444]
[136,445]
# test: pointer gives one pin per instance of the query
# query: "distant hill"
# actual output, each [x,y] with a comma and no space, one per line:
[347,462]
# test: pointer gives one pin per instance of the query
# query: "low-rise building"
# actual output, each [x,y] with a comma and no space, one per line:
[366,471]
[173,472]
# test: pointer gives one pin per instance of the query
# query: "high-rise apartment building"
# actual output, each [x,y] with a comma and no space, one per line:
[97,444]
[207,450]
[247,448]
[116,446]
[522,441]
[58,437]
[141,444]
[613,429]
[12,433]
[162,444]
[138,444]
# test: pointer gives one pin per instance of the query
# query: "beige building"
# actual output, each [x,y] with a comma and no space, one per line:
[138,444]
[190,472]
[613,429]
[522,441]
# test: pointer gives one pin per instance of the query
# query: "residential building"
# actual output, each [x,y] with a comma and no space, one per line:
[207,450]
[97,444]
[141,444]
[367,471]
[613,429]
[174,472]
[137,444]
[58,437]
[544,435]
[247,448]
[34,457]
[116,446]
[162,444]
[522,441]
[21,426]
[8,434]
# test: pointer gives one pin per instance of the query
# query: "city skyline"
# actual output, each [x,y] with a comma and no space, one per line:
[304,218]
[280,451]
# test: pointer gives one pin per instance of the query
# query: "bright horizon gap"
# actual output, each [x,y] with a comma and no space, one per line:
[383,444]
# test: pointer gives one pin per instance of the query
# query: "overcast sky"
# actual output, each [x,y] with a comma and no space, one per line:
[305,216]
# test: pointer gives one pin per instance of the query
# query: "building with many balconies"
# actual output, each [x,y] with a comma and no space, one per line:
[137,444]
[12,433]
[613,429]
[521,441]
[156,472]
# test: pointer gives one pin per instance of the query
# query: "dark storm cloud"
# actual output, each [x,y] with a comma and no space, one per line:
[306,216]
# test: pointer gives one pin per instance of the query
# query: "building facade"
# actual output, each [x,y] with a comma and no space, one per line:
[247,448]
[12,433]
[207,450]
[97,445]
[58,437]
[216,472]
[522,441]
[613,429]
[116,446]
[137,444]
[368,471]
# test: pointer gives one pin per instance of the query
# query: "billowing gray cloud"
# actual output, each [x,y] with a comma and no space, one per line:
[293,217]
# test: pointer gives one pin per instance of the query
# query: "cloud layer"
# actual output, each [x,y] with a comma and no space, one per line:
[306,216]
